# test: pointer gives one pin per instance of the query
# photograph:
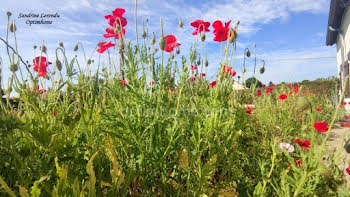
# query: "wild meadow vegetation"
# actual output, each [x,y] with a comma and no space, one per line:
[148,122]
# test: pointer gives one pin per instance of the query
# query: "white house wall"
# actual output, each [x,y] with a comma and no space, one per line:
[343,52]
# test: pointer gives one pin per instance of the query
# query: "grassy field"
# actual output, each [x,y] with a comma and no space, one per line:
[160,128]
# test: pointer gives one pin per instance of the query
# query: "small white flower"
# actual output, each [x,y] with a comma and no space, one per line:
[286,146]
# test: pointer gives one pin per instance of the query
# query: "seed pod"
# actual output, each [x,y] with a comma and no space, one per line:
[8,13]
[89,61]
[12,27]
[262,70]
[153,39]
[203,37]
[206,63]
[34,47]
[60,43]
[58,65]
[13,67]
[178,51]
[181,24]
[162,43]
[172,56]
[76,47]
[43,48]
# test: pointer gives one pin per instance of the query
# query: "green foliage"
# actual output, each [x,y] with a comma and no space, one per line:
[251,81]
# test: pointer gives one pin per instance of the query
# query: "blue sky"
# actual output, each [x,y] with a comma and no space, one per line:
[289,34]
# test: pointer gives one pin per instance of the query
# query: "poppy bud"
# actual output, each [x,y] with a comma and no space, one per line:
[203,37]
[206,63]
[8,13]
[162,43]
[143,34]
[13,67]
[121,47]
[178,51]
[181,24]
[34,47]
[12,27]
[60,44]
[199,62]
[153,40]
[225,51]
[185,68]
[248,53]
[172,56]
[243,70]
[43,48]
[8,91]
[232,35]
[58,65]
[262,70]
[89,61]
[75,47]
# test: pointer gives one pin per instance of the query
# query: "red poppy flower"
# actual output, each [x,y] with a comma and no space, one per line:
[200,26]
[249,110]
[344,103]
[54,112]
[123,81]
[104,46]
[318,109]
[305,144]
[264,85]
[221,31]
[298,162]
[303,93]
[272,85]
[194,67]
[40,65]
[283,97]
[193,78]
[268,90]
[313,93]
[291,92]
[152,83]
[290,85]
[229,70]
[117,18]
[348,169]
[111,33]
[258,92]
[212,84]
[203,74]
[296,88]
[171,43]
[321,126]
[348,103]
[41,91]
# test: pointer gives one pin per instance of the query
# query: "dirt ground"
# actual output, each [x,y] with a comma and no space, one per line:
[339,140]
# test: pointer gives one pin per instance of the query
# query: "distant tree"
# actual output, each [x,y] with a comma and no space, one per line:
[305,81]
[270,84]
[251,81]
